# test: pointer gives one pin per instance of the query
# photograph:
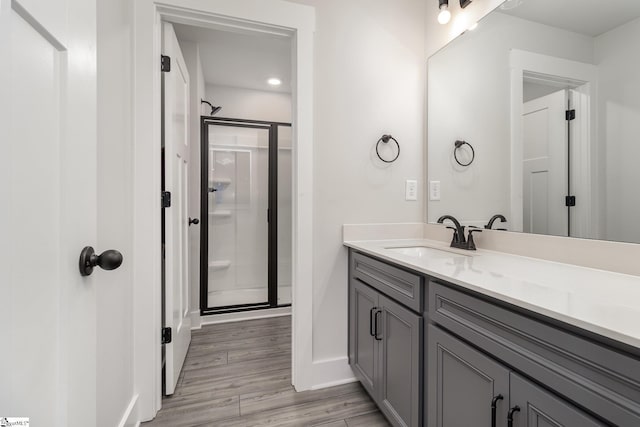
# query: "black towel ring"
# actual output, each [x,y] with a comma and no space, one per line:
[459,144]
[385,139]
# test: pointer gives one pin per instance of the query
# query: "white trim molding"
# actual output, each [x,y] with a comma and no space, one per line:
[130,416]
[271,16]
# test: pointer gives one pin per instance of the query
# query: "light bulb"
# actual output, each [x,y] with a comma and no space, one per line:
[444,16]
[274,81]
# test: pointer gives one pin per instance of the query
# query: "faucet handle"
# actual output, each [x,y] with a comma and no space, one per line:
[471,245]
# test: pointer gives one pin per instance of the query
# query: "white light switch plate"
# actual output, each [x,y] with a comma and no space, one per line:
[411,190]
[434,190]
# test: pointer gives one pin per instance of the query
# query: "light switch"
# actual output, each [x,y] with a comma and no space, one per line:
[434,190]
[411,190]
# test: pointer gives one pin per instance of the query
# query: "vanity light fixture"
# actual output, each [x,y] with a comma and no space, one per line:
[445,15]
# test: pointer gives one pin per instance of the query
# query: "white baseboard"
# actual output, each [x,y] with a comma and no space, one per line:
[130,416]
[245,315]
[196,319]
[331,372]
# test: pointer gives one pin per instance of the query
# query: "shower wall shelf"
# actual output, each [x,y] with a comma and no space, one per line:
[220,214]
[221,181]
[219,265]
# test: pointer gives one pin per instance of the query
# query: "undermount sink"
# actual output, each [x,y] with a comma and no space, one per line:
[425,252]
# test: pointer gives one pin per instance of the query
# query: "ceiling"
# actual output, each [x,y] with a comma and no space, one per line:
[589,17]
[241,59]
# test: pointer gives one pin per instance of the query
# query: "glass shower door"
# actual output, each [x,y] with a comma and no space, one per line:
[238,195]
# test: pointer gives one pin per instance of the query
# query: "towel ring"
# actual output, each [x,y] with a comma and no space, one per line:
[458,145]
[386,139]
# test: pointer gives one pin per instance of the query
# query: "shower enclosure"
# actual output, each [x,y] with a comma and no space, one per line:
[245,258]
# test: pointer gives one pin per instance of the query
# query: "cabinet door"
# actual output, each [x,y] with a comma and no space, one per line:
[400,331]
[463,383]
[363,356]
[539,408]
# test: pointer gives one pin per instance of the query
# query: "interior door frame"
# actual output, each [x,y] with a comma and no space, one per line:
[262,16]
[272,254]
[524,63]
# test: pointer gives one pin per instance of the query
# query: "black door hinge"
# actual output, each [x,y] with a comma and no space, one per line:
[570,115]
[570,200]
[165,63]
[166,199]
[166,335]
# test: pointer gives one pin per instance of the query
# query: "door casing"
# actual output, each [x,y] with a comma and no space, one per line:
[265,16]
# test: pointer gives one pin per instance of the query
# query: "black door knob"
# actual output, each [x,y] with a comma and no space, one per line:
[108,260]
[195,221]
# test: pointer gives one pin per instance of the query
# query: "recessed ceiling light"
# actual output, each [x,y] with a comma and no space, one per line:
[274,82]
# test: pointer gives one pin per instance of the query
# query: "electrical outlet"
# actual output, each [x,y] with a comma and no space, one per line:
[411,190]
[434,190]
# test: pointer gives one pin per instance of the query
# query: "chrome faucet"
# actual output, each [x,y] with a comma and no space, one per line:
[493,219]
[459,240]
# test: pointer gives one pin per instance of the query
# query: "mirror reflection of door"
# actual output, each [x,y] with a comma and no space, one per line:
[545,165]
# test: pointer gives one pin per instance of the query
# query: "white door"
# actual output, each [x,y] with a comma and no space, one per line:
[48,211]
[176,172]
[545,165]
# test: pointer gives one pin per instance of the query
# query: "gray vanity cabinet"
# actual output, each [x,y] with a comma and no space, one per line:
[431,353]
[363,354]
[386,343]
[400,362]
[467,385]
[539,408]
[463,384]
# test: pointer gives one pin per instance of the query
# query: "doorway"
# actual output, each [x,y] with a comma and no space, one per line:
[245,259]
[281,18]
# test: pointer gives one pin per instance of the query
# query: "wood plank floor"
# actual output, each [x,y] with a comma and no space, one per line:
[239,374]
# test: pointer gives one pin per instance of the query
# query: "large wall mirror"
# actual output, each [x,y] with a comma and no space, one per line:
[543,98]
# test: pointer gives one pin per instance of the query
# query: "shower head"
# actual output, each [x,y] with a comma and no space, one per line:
[214,110]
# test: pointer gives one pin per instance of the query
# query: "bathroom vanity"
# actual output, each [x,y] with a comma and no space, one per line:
[443,337]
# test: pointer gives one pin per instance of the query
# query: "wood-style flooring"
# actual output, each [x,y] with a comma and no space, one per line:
[239,374]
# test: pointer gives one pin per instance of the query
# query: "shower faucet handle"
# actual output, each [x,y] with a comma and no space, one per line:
[212,190]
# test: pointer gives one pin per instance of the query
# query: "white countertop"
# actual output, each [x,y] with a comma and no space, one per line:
[598,301]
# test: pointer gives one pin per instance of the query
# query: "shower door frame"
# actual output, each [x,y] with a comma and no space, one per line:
[272,214]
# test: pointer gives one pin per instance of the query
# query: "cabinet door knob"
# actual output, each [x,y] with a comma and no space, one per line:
[194,221]
[512,411]
[494,406]
[107,260]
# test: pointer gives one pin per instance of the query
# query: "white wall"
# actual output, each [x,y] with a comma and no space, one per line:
[115,383]
[619,109]
[191,54]
[370,68]
[241,103]
[469,83]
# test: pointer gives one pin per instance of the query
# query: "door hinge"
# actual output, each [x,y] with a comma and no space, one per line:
[570,115]
[165,63]
[166,335]
[166,199]
[570,201]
